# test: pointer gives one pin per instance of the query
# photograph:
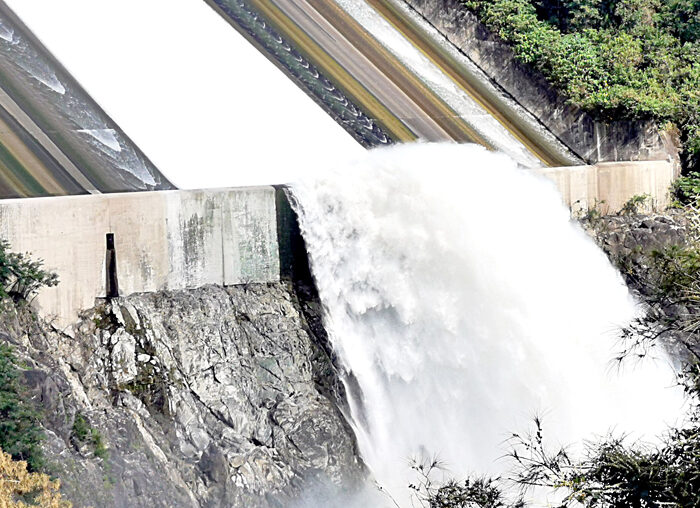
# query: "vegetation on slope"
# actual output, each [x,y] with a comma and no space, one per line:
[20,431]
[20,276]
[635,59]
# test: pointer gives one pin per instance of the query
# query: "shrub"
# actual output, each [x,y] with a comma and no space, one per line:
[84,433]
[687,188]
[636,204]
[471,493]
[81,428]
[615,474]
[20,276]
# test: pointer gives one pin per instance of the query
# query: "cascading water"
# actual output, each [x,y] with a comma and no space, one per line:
[462,300]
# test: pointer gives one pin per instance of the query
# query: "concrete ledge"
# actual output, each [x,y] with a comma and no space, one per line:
[163,240]
[609,185]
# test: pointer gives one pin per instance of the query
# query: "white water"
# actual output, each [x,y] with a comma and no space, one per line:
[108,137]
[6,33]
[38,70]
[464,301]
[470,110]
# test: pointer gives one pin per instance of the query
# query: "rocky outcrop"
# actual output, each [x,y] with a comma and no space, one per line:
[207,397]
[657,256]
[631,241]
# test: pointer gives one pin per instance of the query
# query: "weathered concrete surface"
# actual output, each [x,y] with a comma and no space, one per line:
[206,397]
[164,240]
[592,140]
[608,186]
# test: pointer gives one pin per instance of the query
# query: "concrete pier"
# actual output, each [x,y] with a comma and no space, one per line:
[161,240]
[607,186]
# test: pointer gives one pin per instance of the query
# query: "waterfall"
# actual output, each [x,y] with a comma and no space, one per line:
[461,301]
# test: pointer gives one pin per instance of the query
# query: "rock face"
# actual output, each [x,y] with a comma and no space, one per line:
[207,397]
[630,242]
[639,245]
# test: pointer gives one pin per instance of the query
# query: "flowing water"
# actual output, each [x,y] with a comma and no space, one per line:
[461,301]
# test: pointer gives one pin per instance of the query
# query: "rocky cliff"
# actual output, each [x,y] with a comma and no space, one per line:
[659,258]
[207,397]
[633,241]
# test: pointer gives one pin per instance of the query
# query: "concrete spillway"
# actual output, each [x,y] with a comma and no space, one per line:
[54,138]
[396,71]
[384,78]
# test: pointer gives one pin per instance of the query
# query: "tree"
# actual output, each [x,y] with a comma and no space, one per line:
[20,432]
[20,488]
[21,276]
[682,17]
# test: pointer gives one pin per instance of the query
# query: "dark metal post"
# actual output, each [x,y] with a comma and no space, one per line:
[111,264]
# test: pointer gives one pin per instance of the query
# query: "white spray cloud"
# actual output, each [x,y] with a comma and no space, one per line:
[463,300]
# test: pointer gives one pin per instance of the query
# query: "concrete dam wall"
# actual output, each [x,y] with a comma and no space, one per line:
[608,186]
[120,244]
[161,240]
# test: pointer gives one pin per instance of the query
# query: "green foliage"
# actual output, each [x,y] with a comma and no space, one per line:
[472,493]
[83,433]
[98,443]
[615,474]
[687,188]
[572,15]
[81,427]
[678,272]
[20,276]
[636,204]
[590,214]
[683,18]
[634,59]
[20,432]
